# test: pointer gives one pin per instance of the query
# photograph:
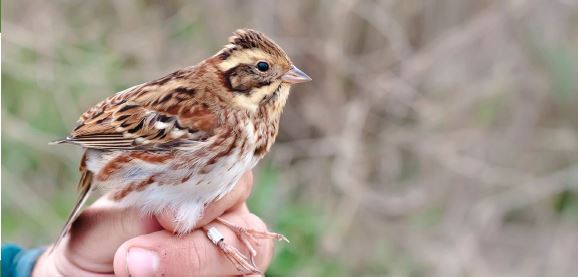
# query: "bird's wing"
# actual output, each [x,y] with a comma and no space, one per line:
[156,115]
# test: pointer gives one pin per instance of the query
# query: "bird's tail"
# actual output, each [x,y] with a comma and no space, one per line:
[84,184]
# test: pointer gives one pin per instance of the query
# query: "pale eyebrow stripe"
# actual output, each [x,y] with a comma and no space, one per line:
[245,56]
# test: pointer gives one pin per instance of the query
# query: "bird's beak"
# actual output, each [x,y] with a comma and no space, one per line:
[295,76]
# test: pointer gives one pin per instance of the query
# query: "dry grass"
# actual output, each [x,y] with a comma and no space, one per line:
[438,137]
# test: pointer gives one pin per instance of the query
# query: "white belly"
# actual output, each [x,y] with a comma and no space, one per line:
[186,199]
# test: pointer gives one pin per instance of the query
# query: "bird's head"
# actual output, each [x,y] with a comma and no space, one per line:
[256,71]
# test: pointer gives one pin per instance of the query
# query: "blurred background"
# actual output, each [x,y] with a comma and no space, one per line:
[438,138]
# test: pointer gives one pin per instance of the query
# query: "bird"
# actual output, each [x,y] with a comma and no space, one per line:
[181,141]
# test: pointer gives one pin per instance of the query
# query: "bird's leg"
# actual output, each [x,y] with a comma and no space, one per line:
[239,260]
[250,236]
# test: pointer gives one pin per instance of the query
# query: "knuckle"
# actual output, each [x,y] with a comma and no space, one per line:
[266,248]
[246,189]
[256,222]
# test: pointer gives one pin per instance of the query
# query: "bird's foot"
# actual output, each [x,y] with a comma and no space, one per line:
[240,261]
[250,236]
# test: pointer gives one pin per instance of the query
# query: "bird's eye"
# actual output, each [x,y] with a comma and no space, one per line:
[262,66]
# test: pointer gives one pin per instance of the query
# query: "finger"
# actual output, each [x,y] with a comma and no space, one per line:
[164,254]
[235,197]
[98,232]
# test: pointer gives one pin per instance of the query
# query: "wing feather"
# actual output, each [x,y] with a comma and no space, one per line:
[145,116]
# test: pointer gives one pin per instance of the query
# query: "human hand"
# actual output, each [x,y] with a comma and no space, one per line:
[106,241]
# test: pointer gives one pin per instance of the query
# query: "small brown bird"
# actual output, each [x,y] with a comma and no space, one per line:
[182,141]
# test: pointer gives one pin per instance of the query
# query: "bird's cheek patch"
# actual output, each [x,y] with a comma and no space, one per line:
[234,81]
[241,83]
[241,79]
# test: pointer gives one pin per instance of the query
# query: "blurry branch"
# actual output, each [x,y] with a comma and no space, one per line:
[379,17]
[444,149]
[449,43]
[346,176]
[486,218]
[308,148]
[490,210]
[558,139]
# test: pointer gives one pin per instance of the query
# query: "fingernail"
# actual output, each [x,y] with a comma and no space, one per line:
[141,262]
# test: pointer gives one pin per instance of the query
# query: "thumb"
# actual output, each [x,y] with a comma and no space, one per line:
[98,232]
